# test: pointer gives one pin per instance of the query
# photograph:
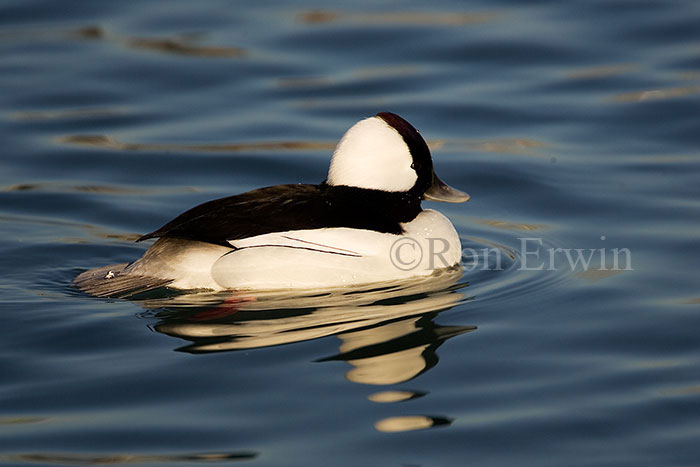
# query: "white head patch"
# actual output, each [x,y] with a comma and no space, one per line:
[373,155]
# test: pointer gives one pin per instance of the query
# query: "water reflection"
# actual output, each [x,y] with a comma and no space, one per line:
[508,225]
[108,142]
[182,44]
[104,459]
[396,17]
[394,352]
[514,146]
[349,77]
[383,397]
[602,71]
[388,334]
[244,320]
[656,94]
[51,187]
[410,423]
[66,114]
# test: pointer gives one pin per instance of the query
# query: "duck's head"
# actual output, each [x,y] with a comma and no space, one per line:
[386,153]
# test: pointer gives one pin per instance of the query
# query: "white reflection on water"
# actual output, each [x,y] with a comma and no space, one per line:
[387,331]
[216,322]
[383,397]
[410,423]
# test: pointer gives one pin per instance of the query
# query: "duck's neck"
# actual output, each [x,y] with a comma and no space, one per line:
[399,207]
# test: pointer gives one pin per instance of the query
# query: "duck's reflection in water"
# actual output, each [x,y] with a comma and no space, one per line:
[394,352]
[388,332]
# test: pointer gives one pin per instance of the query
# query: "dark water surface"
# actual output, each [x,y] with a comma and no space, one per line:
[574,124]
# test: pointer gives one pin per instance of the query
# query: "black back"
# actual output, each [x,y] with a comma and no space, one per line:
[292,207]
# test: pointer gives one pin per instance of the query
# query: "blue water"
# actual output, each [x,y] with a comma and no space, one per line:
[574,124]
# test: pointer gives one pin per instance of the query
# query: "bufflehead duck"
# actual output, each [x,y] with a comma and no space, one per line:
[363,224]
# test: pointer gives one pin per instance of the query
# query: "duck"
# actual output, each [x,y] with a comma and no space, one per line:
[364,224]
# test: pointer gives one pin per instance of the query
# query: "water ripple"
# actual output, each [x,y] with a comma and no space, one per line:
[105,459]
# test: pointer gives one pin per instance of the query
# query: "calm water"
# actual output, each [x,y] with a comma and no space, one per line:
[573,123]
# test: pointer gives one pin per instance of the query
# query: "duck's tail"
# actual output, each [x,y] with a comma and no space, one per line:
[114,281]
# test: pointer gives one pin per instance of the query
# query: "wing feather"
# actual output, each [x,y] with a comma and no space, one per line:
[284,208]
[249,214]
